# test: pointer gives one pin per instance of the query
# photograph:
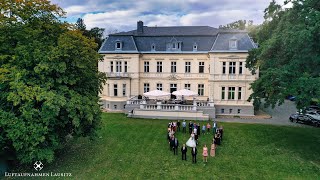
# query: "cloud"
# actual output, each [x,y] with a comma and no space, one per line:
[123,15]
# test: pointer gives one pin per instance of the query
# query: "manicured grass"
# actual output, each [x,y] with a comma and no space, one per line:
[138,149]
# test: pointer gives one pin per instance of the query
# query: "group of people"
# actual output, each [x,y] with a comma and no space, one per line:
[194,130]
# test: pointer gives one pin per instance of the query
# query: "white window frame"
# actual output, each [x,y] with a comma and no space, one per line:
[159,67]
[173,66]
[231,93]
[187,86]
[187,67]
[118,66]
[201,64]
[146,66]
[124,89]
[146,87]
[201,89]
[159,86]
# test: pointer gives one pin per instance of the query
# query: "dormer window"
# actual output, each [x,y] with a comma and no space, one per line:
[195,47]
[153,47]
[118,45]
[233,44]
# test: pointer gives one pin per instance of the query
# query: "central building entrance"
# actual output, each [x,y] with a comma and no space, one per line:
[173,87]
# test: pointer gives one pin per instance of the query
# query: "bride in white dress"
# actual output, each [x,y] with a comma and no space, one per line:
[191,142]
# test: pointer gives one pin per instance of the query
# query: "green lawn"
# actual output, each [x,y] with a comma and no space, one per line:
[137,149]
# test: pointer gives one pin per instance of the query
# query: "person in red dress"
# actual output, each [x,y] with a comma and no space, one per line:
[205,153]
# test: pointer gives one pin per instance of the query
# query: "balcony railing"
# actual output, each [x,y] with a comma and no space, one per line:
[232,77]
[118,74]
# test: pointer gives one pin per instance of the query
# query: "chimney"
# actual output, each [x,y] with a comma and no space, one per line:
[140,27]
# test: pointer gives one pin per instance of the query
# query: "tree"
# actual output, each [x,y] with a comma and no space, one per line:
[49,81]
[95,33]
[80,25]
[288,56]
[240,24]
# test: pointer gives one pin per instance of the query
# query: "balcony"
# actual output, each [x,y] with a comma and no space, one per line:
[118,75]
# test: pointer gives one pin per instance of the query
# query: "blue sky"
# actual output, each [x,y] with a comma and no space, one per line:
[122,15]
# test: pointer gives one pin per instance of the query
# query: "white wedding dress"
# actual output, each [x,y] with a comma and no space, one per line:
[191,142]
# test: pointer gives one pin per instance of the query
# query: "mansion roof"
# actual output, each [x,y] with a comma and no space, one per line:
[177,39]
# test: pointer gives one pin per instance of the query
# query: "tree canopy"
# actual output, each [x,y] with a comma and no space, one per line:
[288,57]
[95,33]
[49,81]
[240,24]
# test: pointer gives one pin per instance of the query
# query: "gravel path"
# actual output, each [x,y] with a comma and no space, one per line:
[280,116]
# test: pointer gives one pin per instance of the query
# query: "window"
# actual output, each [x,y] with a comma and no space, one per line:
[223,91]
[173,45]
[108,105]
[159,86]
[188,67]
[231,92]
[240,67]
[146,87]
[233,44]
[146,66]
[118,45]
[239,92]
[124,87]
[159,66]
[173,87]
[239,111]
[153,47]
[126,66]
[187,86]
[111,66]
[115,90]
[223,67]
[195,47]
[115,106]
[230,111]
[108,89]
[232,67]
[173,67]
[222,111]
[201,89]
[201,67]
[178,44]
[118,66]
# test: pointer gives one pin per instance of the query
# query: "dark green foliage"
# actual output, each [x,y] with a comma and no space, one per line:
[95,33]
[289,54]
[240,24]
[49,83]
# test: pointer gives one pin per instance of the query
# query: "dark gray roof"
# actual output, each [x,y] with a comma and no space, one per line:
[128,43]
[204,43]
[207,39]
[174,30]
[244,43]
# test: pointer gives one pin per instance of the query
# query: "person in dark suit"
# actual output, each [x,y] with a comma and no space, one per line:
[194,154]
[175,146]
[171,143]
[178,125]
[221,132]
[184,152]
[198,130]
[190,127]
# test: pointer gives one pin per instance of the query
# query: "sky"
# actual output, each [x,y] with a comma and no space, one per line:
[122,15]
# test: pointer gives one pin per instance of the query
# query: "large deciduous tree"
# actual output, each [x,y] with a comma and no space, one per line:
[49,82]
[289,54]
